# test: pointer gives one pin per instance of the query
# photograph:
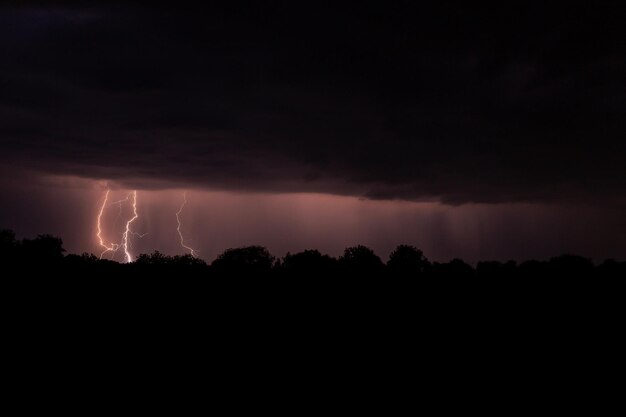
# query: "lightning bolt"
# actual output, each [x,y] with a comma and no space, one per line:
[126,242]
[127,232]
[112,247]
[119,216]
[182,241]
[119,203]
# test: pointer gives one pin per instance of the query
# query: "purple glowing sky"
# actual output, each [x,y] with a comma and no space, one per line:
[467,130]
[213,221]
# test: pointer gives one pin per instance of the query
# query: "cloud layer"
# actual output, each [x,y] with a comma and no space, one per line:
[452,102]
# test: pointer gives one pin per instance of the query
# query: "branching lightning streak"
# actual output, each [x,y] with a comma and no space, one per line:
[139,235]
[129,257]
[126,242]
[182,241]
[119,203]
[119,215]
[113,247]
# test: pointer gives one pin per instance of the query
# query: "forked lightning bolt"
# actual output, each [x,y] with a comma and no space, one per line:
[182,241]
[119,203]
[126,241]
[112,247]
[119,216]
[129,257]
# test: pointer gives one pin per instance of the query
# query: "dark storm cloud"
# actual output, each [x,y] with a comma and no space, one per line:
[386,100]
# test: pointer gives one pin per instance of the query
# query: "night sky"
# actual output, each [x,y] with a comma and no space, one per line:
[468,129]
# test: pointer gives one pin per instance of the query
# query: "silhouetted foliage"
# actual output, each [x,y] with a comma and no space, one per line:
[8,244]
[44,248]
[7,239]
[407,261]
[170,265]
[247,261]
[86,259]
[613,269]
[361,260]
[156,258]
[532,268]
[45,253]
[455,268]
[308,263]
[188,261]
[571,265]
[494,269]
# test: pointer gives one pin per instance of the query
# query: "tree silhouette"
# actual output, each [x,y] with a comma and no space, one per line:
[44,248]
[407,260]
[40,254]
[571,265]
[155,258]
[188,261]
[308,263]
[8,245]
[495,269]
[247,260]
[454,268]
[7,239]
[610,268]
[157,263]
[361,260]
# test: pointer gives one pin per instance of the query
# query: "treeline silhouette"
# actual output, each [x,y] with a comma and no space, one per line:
[46,253]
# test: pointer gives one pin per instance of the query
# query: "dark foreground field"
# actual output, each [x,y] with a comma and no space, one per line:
[247,311]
